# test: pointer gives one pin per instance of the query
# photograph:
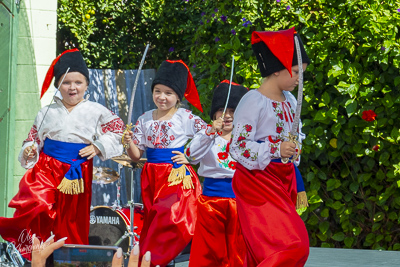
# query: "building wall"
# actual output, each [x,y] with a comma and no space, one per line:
[31,54]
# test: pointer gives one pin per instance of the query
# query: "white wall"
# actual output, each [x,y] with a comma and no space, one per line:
[42,18]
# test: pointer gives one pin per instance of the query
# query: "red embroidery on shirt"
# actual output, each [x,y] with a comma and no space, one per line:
[159,136]
[232,165]
[115,126]
[32,136]
[199,124]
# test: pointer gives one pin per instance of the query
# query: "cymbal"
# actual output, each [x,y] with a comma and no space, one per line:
[103,175]
[126,161]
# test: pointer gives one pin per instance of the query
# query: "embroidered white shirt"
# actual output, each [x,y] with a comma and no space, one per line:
[258,118]
[172,133]
[211,152]
[80,125]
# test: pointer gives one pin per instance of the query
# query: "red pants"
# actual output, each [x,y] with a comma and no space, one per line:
[170,213]
[274,233]
[42,208]
[218,239]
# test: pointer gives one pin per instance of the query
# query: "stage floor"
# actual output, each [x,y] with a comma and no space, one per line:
[336,257]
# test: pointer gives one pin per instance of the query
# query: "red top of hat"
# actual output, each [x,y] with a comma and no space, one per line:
[281,44]
[191,93]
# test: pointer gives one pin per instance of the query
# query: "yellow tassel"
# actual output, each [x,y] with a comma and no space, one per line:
[71,187]
[178,176]
[302,201]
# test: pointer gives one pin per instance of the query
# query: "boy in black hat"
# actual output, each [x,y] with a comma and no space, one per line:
[218,239]
[55,193]
[170,188]
[265,188]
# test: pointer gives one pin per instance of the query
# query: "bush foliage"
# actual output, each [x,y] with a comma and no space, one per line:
[350,160]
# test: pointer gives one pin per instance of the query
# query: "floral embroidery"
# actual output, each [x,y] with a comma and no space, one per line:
[172,138]
[191,116]
[149,138]
[246,152]
[225,161]
[188,152]
[241,138]
[279,129]
[273,149]
[232,165]
[115,126]
[223,155]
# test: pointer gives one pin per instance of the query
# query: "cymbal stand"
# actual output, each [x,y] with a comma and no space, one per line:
[120,166]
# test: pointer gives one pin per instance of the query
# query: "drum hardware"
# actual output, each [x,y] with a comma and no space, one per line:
[108,227]
[11,257]
[120,166]
[125,160]
[103,175]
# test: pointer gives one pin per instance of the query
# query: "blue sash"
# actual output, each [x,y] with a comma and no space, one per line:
[164,155]
[218,187]
[67,153]
[179,174]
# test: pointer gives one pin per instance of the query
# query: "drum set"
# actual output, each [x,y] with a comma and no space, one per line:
[117,225]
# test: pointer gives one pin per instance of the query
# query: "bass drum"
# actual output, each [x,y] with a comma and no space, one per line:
[108,225]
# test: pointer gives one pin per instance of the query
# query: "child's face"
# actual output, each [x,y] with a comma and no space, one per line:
[73,88]
[228,118]
[287,83]
[164,97]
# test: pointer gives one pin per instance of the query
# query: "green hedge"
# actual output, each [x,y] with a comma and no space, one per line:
[350,165]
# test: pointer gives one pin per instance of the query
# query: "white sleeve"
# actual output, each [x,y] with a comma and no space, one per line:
[244,148]
[193,124]
[139,138]
[199,146]
[109,142]
[33,138]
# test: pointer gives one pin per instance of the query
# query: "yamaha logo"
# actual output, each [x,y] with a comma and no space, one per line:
[104,219]
[92,219]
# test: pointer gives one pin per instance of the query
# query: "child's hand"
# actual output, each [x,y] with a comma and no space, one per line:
[127,137]
[217,125]
[179,158]
[89,152]
[29,152]
[288,149]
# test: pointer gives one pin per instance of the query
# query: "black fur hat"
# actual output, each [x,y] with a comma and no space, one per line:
[176,75]
[74,61]
[68,59]
[221,93]
[172,75]
[276,51]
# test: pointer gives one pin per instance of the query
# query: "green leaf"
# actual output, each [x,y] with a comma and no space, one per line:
[338,236]
[351,106]
[348,241]
[324,226]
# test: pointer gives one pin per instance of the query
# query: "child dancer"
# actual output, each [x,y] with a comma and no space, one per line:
[169,189]
[218,239]
[265,188]
[55,193]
